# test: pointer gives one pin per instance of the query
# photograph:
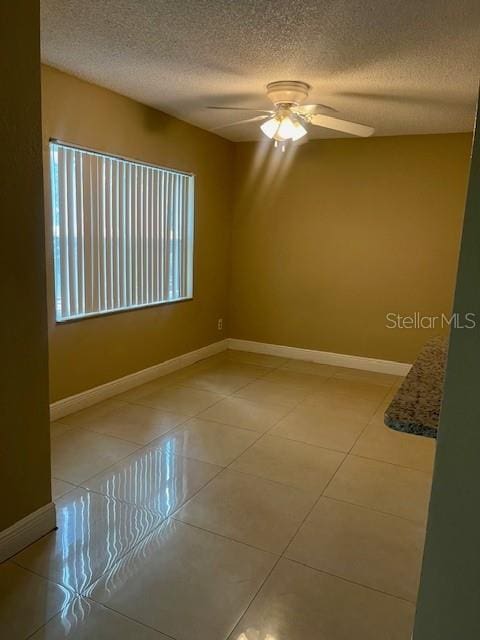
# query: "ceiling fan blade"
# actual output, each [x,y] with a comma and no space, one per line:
[329,122]
[313,108]
[232,124]
[243,109]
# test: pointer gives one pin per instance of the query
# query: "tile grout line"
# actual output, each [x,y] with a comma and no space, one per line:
[105,435]
[149,445]
[308,443]
[232,394]
[172,516]
[70,591]
[366,508]
[217,474]
[120,557]
[122,459]
[322,494]
[392,464]
[326,497]
[100,605]
[44,624]
[142,624]
[282,554]
[260,436]
[357,584]
[224,537]
[279,556]
[140,447]
[222,467]
[349,452]
[344,460]
[237,621]
[224,395]
[161,523]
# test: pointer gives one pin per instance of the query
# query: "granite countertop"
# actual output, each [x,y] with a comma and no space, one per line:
[416,405]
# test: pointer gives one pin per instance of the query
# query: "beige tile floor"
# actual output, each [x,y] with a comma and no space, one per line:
[245,497]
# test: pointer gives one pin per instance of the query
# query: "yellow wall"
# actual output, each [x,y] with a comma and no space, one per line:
[25,442]
[322,245]
[329,240]
[90,352]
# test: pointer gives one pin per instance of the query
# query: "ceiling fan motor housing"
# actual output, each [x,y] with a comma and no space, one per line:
[287,92]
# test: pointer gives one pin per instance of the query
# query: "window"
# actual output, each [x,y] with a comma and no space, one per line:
[122,233]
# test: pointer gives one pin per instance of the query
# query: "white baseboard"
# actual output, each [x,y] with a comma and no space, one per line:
[27,530]
[89,397]
[322,357]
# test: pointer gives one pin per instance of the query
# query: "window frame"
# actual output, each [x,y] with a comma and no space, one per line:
[115,156]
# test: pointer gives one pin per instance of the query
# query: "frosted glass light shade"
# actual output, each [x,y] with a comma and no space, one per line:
[270,127]
[286,130]
[299,131]
[283,129]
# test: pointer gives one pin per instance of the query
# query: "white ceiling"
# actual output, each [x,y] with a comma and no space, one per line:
[402,66]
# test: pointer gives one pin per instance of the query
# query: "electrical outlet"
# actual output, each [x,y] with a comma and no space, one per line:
[220,324]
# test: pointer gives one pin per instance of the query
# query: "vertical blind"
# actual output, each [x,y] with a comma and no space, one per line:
[122,233]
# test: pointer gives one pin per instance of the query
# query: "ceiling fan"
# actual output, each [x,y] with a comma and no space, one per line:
[287,121]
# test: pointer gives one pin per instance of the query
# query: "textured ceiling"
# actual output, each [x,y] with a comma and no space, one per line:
[402,66]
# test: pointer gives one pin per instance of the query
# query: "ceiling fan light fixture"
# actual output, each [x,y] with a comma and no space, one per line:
[300,131]
[286,130]
[290,129]
[270,127]
[290,117]
[283,128]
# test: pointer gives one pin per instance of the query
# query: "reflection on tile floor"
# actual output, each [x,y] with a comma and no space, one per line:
[186,582]
[245,497]
[94,531]
[154,478]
